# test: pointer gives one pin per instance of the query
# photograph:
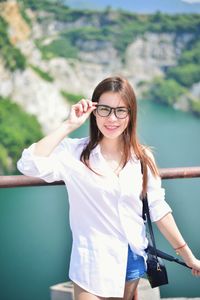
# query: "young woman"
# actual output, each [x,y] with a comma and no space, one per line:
[103,177]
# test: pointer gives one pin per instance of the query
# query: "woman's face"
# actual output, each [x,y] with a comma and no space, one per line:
[112,127]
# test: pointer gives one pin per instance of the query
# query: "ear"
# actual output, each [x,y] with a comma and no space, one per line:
[94,112]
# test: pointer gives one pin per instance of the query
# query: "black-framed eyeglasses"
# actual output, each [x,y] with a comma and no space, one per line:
[105,111]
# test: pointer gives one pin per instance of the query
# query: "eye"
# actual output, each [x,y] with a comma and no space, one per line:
[103,108]
[121,110]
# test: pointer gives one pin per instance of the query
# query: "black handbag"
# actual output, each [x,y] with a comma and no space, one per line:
[156,270]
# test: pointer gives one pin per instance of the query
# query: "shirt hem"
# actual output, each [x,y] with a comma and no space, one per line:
[93,292]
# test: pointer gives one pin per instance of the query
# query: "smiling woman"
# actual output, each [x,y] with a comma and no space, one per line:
[108,258]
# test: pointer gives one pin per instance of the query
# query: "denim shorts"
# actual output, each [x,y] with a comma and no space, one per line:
[136,266]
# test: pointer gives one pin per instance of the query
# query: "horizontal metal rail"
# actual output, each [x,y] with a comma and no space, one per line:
[21,180]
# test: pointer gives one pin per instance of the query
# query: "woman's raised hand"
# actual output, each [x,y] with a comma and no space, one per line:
[80,112]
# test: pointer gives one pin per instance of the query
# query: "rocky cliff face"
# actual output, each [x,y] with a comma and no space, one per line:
[19,30]
[145,58]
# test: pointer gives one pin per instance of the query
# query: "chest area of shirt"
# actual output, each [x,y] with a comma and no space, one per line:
[103,179]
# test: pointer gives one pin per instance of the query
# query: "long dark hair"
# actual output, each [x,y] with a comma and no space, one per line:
[124,89]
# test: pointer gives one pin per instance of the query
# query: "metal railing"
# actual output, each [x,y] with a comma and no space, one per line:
[165,173]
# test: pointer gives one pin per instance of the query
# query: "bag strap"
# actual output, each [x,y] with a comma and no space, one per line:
[147,220]
[152,247]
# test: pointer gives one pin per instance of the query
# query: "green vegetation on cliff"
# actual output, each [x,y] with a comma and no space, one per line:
[186,74]
[195,107]
[60,47]
[178,79]
[117,26]
[17,131]
[12,56]
[71,98]
[187,71]
[120,28]
[44,75]
[165,91]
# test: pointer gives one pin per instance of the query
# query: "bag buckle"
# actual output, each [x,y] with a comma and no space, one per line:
[145,218]
[158,267]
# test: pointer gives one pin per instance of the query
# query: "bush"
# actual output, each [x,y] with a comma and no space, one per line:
[13,58]
[185,75]
[17,131]
[71,98]
[191,56]
[44,75]
[165,91]
[4,160]
[195,107]
[58,48]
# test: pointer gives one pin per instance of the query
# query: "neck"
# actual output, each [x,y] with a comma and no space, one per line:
[111,145]
[112,151]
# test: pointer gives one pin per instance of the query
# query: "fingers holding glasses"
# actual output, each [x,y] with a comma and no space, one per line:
[81,111]
[84,105]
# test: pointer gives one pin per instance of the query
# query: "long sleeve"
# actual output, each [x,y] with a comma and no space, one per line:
[156,196]
[47,168]
[58,166]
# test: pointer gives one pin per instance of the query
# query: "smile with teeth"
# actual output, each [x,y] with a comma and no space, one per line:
[111,127]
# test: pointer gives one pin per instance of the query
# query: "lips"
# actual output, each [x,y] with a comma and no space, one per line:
[111,127]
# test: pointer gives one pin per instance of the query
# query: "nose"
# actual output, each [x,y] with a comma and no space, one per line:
[112,115]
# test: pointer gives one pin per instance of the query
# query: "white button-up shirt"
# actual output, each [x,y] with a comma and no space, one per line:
[105,212]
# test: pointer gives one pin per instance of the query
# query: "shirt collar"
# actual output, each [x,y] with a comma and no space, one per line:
[97,151]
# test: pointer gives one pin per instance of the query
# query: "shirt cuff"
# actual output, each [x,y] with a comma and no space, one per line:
[38,166]
[158,207]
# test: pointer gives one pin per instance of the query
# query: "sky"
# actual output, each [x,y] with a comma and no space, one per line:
[141,6]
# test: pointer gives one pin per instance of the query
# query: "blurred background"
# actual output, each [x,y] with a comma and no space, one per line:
[54,52]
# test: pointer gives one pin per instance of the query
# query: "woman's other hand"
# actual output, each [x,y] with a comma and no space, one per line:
[190,260]
[193,263]
[196,267]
